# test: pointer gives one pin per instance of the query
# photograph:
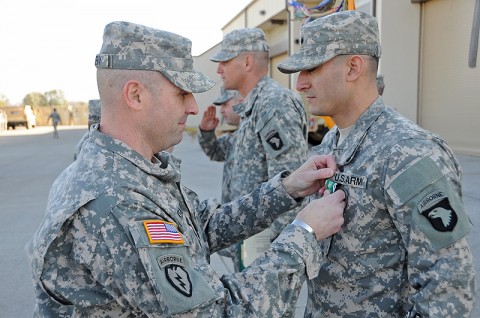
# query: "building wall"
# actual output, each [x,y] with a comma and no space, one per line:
[399,24]
[259,12]
[240,21]
[449,88]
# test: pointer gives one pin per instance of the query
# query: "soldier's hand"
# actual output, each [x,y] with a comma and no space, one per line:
[325,215]
[310,177]
[209,120]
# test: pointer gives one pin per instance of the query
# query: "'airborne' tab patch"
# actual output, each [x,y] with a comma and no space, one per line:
[162,232]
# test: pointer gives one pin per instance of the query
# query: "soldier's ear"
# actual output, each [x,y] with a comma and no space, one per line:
[132,94]
[355,67]
[249,62]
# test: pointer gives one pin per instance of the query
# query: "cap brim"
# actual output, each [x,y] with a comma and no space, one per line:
[219,102]
[194,81]
[222,56]
[299,62]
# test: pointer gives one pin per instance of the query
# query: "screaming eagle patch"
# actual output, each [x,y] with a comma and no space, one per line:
[178,277]
[274,140]
[436,208]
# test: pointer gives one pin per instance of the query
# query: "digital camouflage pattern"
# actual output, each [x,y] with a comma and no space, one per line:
[225,96]
[345,32]
[271,137]
[94,111]
[79,145]
[131,46]
[241,41]
[221,149]
[402,248]
[95,254]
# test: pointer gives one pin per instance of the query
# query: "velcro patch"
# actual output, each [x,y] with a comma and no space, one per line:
[350,180]
[179,278]
[162,232]
[274,140]
[435,205]
[170,259]
[438,211]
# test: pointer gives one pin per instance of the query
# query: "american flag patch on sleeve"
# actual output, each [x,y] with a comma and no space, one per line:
[162,232]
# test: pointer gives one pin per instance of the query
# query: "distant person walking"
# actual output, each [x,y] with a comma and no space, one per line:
[55,121]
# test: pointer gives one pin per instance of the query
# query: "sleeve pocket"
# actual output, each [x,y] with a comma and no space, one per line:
[435,207]
[178,284]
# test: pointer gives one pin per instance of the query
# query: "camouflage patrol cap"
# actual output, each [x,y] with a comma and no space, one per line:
[342,33]
[380,84]
[131,46]
[241,41]
[94,108]
[225,96]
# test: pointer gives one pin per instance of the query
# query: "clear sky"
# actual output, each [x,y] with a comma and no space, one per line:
[51,44]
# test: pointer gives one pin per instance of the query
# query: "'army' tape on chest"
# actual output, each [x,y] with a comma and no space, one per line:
[350,180]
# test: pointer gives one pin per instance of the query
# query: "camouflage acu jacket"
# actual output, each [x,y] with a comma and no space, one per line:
[220,149]
[402,248]
[123,238]
[272,137]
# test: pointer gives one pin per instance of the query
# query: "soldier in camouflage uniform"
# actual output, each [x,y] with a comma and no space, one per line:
[402,251]
[272,135]
[94,109]
[221,149]
[122,237]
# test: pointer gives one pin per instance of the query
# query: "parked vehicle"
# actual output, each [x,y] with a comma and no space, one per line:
[20,115]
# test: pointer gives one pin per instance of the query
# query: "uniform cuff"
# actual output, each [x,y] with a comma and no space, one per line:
[305,245]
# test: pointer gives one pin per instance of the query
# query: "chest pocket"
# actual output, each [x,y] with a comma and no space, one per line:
[178,284]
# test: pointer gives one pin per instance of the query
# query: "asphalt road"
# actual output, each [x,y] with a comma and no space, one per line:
[31,160]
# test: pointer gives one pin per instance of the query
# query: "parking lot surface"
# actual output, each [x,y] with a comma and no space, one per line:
[30,160]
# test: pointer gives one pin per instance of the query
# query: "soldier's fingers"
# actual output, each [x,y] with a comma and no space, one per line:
[324,161]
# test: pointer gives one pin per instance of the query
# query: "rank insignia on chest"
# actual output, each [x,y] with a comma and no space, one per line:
[162,232]
[274,140]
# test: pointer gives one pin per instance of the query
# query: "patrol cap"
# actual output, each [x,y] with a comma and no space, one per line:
[341,33]
[130,46]
[380,81]
[241,41]
[94,108]
[225,96]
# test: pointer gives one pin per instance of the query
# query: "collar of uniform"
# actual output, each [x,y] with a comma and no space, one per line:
[162,169]
[346,151]
[252,96]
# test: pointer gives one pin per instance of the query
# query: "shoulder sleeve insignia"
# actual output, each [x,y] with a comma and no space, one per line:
[274,140]
[438,211]
[162,232]
[178,277]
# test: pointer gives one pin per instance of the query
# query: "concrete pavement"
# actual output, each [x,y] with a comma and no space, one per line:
[31,160]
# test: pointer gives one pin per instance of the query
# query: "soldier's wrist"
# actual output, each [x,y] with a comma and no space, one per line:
[304,225]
